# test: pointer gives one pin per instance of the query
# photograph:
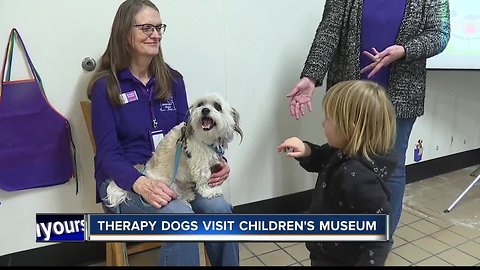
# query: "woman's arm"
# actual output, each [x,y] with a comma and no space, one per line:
[434,38]
[109,153]
[325,42]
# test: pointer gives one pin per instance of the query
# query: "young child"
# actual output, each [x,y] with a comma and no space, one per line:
[353,166]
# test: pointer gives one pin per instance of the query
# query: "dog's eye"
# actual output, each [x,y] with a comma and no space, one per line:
[217,106]
[200,104]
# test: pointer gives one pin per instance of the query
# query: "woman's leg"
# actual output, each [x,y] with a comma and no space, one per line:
[397,180]
[219,253]
[171,253]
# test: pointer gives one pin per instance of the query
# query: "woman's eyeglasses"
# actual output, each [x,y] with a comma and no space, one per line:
[147,28]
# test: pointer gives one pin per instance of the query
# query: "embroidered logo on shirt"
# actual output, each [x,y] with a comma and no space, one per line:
[167,105]
[129,97]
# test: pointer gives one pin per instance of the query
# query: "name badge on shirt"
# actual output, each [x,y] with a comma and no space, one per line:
[167,105]
[129,97]
[155,137]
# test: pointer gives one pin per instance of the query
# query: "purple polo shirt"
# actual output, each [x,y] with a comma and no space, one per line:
[381,21]
[122,133]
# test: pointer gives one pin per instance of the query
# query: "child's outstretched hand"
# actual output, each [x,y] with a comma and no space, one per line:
[294,147]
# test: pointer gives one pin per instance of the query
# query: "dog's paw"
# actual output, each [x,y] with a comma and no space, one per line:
[115,195]
[209,192]
[188,196]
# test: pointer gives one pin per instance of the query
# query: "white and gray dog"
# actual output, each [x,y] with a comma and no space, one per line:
[204,138]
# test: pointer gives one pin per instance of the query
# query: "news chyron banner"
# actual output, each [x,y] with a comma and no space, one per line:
[214,227]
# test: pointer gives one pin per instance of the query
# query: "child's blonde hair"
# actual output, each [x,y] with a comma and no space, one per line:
[363,116]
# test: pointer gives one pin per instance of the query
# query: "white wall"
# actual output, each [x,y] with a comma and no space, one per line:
[451,123]
[251,51]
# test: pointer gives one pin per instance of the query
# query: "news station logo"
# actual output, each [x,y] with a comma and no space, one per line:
[60,227]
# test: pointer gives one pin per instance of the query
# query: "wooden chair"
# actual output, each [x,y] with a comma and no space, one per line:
[117,252]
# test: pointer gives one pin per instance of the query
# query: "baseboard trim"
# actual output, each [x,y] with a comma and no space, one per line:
[433,167]
[292,203]
[84,254]
[299,202]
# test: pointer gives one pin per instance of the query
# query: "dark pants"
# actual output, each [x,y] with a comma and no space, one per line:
[376,255]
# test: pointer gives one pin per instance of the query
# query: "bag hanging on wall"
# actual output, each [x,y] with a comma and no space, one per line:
[36,146]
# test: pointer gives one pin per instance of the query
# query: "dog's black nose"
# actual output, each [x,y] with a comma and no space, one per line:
[205,111]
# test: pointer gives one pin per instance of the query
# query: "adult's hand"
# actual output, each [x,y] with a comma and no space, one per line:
[301,95]
[156,193]
[220,173]
[382,59]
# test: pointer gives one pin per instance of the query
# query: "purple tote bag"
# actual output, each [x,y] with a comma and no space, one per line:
[36,147]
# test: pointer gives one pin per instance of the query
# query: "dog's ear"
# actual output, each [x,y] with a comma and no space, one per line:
[189,130]
[236,119]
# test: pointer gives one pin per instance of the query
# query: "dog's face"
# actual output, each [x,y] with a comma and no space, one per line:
[212,120]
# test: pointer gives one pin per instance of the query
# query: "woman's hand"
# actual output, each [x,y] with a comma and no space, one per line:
[301,95]
[382,59]
[156,193]
[295,147]
[220,173]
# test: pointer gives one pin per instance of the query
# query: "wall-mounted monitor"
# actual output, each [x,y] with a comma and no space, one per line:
[463,49]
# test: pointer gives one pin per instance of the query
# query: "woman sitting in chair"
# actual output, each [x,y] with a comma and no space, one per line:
[136,96]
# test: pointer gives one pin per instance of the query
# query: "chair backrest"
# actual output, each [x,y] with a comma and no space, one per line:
[87,116]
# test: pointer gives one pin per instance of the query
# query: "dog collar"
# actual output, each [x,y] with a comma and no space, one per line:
[218,149]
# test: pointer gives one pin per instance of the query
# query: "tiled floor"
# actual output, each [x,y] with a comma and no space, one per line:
[426,236]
